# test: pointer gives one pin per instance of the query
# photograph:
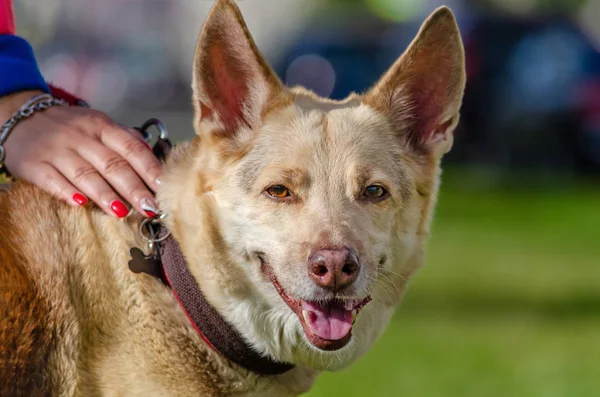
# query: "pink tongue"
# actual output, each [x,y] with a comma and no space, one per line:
[331,321]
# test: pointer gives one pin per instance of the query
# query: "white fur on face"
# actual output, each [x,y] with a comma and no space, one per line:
[327,152]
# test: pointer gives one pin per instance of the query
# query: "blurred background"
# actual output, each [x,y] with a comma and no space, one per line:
[508,303]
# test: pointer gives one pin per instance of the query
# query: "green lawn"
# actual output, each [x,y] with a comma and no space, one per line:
[508,304]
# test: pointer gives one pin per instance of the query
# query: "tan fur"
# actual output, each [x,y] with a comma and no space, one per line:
[75,321]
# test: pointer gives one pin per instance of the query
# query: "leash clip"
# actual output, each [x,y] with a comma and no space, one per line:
[163,145]
[151,228]
[162,130]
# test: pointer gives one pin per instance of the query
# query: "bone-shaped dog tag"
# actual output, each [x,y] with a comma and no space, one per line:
[141,263]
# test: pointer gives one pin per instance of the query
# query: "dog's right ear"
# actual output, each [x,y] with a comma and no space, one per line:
[233,85]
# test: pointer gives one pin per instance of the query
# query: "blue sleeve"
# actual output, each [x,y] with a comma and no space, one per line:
[18,67]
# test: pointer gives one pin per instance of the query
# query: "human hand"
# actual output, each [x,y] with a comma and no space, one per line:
[78,153]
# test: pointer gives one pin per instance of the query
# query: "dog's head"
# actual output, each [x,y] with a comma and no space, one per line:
[298,212]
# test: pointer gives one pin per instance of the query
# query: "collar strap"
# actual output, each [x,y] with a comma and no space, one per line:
[214,330]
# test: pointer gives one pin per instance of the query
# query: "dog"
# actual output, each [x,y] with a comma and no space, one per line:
[293,223]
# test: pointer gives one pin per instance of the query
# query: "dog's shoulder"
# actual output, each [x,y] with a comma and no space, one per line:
[25,333]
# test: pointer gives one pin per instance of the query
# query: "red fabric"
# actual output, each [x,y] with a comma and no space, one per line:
[7,18]
[62,94]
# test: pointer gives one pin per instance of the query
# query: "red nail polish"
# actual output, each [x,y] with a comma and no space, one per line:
[147,145]
[80,199]
[119,208]
[150,214]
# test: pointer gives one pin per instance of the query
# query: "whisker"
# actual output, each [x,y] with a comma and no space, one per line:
[394,273]
[390,281]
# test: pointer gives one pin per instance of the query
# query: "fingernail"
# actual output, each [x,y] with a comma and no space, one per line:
[119,208]
[80,199]
[147,145]
[149,206]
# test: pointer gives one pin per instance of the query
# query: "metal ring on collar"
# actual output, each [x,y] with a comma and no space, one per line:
[162,130]
[154,221]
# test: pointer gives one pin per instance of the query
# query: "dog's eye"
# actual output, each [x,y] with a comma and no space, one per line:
[278,191]
[375,193]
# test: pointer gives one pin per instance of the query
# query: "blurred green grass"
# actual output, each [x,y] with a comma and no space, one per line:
[508,303]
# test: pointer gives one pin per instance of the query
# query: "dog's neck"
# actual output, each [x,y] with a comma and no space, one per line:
[214,330]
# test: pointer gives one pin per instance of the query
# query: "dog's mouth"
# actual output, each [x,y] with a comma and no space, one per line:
[326,324]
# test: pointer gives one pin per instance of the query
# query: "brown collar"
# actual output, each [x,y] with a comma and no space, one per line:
[214,330]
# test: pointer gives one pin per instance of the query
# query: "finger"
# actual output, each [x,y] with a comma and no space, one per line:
[135,133]
[138,135]
[136,152]
[118,172]
[86,177]
[50,179]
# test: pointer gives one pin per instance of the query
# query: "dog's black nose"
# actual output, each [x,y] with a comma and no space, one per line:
[334,269]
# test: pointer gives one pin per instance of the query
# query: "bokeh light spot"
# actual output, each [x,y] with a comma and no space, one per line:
[61,69]
[105,84]
[313,72]
[395,10]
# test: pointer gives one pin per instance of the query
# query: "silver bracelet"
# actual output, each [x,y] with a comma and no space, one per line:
[37,103]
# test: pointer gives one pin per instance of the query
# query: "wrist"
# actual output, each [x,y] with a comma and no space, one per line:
[31,106]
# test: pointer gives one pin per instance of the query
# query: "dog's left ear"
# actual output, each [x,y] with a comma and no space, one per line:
[233,85]
[422,92]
